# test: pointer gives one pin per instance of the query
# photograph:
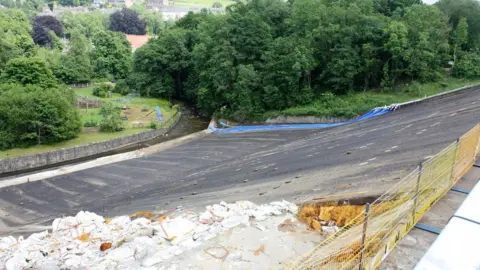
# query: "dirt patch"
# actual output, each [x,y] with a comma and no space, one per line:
[332,213]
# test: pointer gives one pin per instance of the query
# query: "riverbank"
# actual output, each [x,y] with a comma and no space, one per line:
[341,107]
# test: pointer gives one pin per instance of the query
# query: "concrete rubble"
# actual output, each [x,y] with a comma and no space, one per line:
[141,241]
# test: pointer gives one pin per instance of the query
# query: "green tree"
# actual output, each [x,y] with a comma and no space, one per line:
[388,7]
[306,16]
[396,45]
[89,24]
[286,75]
[163,57]
[111,121]
[460,37]
[461,32]
[28,71]
[468,9]
[154,20]
[271,54]
[246,95]
[75,66]
[102,90]
[122,87]
[35,115]
[75,3]
[111,55]
[468,65]
[15,39]
[427,42]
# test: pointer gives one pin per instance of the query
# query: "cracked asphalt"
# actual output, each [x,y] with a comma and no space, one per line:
[296,165]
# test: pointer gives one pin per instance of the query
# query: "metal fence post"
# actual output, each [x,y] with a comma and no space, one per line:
[452,173]
[420,169]
[364,235]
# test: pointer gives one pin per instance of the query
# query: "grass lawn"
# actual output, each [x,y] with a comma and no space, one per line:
[83,138]
[357,103]
[201,3]
[134,107]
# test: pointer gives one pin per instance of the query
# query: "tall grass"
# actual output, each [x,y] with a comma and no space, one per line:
[357,103]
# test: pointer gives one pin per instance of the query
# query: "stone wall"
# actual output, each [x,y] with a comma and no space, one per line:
[67,154]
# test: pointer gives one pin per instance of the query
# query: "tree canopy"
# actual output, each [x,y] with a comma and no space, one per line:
[38,57]
[127,21]
[75,3]
[75,66]
[270,54]
[257,56]
[88,24]
[15,39]
[46,31]
[35,115]
[111,55]
[27,71]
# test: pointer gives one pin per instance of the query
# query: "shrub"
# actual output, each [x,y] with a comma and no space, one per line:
[90,123]
[153,125]
[122,88]
[468,66]
[415,88]
[102,90]
[111,121]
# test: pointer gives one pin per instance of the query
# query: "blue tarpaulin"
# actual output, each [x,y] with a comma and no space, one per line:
[237,129]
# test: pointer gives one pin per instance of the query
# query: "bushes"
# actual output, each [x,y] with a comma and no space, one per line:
[152,125]
[111,121]
[122,88]
[35,115]
[90,123]
[102,90]
[468,66]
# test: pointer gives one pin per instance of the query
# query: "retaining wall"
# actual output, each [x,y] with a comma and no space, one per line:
[67,154]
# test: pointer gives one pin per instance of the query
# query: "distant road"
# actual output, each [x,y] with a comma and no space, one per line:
[362,158]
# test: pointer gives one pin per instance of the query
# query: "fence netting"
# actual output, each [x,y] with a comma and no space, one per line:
[365,241]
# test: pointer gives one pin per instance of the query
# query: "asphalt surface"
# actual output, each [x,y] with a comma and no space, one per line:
[296,165]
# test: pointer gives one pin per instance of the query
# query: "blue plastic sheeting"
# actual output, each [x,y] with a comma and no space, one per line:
[428,228]
[223,124]
[461,190]
[238,129]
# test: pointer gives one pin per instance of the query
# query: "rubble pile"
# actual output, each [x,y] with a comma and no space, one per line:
[140,241]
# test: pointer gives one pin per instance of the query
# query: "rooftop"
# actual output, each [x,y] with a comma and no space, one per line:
[138,41]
